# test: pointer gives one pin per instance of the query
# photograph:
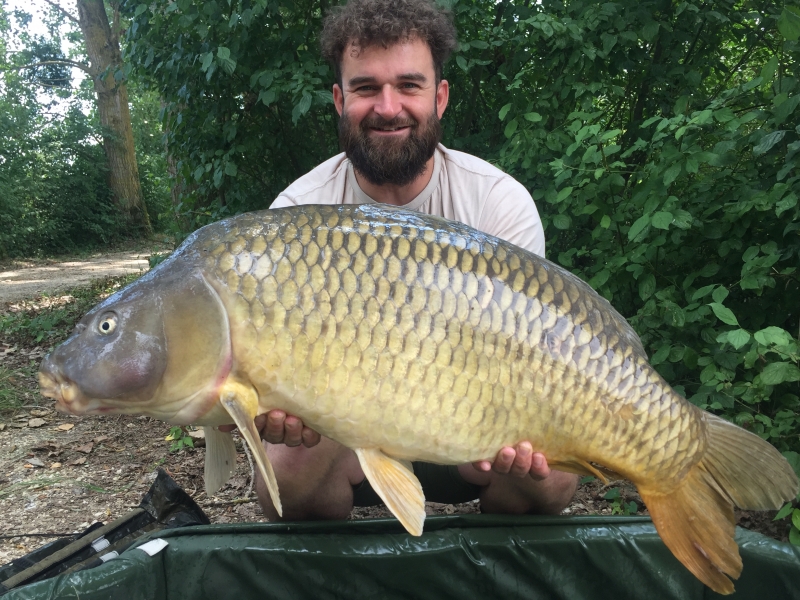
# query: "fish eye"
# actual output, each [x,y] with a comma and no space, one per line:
[107,324]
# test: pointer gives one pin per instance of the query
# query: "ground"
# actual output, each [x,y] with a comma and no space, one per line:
[23,279]
[59,474]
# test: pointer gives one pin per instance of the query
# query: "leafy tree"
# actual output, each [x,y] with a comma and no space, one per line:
[45,63]
[54,192]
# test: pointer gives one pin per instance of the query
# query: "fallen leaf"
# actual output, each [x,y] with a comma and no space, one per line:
[55,465]
[78,461]
[18,425]
[35,462]
[65,426]
[102,438]
[36,422]
[198,435]
[2,426]
[40,412]
[86,448]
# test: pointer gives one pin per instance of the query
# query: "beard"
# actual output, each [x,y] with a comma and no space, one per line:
[395,161]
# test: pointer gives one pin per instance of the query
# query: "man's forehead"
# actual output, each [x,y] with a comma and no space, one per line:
[357,51]
[354,45]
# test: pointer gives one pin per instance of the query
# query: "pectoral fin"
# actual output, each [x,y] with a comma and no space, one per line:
[397,486]
[220,459]
[241,402]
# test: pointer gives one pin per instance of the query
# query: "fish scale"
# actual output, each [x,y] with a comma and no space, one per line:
[409,337]
[497,302]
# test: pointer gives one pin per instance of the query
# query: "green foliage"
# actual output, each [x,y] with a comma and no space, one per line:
[247,102]
[618,504]
[154,177]
[180,439]
[789,509]
[53,192]
[157,258]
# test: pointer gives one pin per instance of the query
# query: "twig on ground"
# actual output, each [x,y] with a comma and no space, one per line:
[228,502]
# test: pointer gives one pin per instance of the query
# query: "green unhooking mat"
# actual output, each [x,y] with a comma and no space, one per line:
[458,557]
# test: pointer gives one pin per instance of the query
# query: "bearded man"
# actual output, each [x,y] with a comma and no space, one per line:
[389,93]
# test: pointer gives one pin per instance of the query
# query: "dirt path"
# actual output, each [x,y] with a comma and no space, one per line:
[26,279]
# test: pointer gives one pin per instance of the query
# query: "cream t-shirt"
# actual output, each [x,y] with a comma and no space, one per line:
[462,188]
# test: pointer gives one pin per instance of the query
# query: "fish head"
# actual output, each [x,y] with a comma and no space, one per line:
[160,347]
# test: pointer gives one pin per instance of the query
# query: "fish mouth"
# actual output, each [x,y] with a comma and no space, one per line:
[68,396]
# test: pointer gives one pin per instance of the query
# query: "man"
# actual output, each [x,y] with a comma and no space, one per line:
[390,95]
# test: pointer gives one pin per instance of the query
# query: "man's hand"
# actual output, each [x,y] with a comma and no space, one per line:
[277,427]
[519,461]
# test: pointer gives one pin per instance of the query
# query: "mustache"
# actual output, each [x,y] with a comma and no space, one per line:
[378,122]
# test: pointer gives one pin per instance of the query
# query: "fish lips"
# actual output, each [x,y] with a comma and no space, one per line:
[69,399]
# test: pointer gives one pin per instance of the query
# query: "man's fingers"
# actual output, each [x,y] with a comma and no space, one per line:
[519,461]
[482,465]
[522,460]
[504,460]
[310,437]
[274,431]
[293,428]
[539,467]
[277,427]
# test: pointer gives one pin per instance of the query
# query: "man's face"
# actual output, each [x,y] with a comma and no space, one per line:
[390,107]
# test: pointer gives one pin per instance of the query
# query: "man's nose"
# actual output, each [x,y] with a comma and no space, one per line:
[387,103]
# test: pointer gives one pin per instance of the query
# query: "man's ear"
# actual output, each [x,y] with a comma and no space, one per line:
[442,96]
[338,98]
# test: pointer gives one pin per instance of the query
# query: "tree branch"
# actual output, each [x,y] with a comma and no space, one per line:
[66,62]
[63,11]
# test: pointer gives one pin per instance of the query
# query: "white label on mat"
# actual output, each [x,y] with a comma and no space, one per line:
[153,547]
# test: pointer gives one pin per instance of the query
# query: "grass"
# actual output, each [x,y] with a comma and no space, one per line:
[36,483]
[10,397]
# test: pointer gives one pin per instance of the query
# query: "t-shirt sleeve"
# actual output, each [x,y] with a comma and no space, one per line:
[282,202]
[510,214]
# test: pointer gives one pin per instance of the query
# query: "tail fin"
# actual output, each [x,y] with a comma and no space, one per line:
[696,520]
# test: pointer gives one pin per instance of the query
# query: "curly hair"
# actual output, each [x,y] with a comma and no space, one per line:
[363,23]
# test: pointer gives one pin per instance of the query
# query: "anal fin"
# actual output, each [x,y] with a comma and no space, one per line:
[220,459]
[241,402]
[397,486]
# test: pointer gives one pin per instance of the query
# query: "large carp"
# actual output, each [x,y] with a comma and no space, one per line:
[405,336]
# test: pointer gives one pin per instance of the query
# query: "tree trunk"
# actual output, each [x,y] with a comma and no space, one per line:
[102,47]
